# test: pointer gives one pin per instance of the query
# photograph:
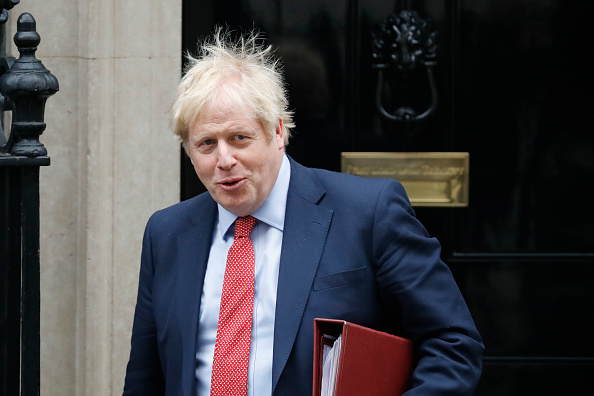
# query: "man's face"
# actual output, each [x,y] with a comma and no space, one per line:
[235,158]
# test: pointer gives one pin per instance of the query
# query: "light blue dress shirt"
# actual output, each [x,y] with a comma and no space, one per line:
[267,237]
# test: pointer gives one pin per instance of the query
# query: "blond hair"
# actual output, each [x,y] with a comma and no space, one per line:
[237,72]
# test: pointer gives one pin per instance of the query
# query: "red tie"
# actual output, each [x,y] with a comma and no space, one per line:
[232,348]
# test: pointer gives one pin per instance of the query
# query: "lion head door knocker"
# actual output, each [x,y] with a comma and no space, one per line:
[403,44]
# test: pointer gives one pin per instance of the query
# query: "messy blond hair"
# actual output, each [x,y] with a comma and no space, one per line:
[242,71]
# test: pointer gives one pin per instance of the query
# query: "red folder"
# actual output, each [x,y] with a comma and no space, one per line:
[371,362]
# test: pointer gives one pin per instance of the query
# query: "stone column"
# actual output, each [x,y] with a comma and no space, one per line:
[114,161]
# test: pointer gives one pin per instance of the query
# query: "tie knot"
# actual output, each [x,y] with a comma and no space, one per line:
[244,226]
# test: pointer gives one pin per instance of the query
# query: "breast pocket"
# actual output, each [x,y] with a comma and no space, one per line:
[339,279]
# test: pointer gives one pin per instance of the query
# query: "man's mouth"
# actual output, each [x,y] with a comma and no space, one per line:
[230,183]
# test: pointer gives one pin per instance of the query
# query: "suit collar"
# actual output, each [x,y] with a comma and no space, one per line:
[304,183]
[304,237]
[193,247]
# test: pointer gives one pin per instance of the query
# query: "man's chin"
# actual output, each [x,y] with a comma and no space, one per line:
[236,206]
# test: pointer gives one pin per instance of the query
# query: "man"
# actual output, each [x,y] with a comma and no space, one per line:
[324,244]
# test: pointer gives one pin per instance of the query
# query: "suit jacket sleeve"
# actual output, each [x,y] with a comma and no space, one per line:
[144,374]
[411,275]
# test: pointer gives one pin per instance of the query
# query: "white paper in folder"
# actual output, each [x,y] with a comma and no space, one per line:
[330,358]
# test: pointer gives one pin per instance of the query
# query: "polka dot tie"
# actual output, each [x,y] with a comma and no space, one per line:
[232,348]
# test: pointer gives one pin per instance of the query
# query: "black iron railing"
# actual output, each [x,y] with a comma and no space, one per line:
[25,85]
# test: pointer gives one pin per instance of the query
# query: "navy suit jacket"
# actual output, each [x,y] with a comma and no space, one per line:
[352,250]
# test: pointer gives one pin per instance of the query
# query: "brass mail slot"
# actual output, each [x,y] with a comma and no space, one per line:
[430,179]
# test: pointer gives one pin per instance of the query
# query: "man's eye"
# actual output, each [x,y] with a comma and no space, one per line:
[208,142]
[239,137]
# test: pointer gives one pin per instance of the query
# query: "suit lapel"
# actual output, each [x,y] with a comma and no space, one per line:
[193,247]
[305,232]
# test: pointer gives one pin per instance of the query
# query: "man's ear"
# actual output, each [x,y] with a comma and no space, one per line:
[279,134]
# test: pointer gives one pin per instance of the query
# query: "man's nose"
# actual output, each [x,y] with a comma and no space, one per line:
[226,157]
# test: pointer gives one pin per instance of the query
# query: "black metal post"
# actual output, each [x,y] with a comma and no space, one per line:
[10,277]
[19,250]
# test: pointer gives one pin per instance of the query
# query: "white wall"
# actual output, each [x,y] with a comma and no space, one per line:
[114,161]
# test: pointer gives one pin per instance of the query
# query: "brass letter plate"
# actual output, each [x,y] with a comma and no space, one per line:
[430,179]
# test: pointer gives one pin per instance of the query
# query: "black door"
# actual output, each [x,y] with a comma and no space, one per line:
[514,80]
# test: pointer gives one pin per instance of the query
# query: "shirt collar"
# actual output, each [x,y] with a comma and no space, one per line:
[272,211]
